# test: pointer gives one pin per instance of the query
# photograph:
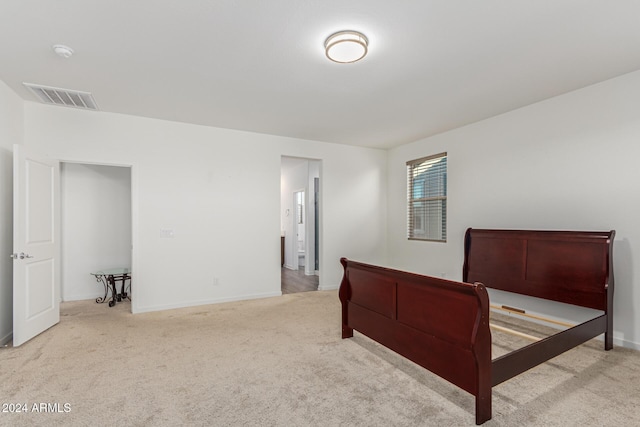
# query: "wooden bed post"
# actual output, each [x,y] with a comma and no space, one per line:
[345,295]
[482,352]
[608,335]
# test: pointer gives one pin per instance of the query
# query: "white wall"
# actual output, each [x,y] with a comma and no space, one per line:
[11,132]
[96,225]
[219,191]
[570,162]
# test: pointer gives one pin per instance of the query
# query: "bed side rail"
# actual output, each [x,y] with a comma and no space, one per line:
[525,358]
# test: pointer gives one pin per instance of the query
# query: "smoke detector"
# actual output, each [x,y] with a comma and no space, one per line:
[62,50]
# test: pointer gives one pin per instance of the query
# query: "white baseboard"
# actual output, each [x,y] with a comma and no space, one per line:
[625,343]
[82,297]
[328,287]
[6,339]
[185,304]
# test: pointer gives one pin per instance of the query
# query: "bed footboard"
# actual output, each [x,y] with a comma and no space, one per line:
[439,324]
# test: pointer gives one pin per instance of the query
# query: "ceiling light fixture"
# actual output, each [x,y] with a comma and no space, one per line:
[62,50]
[346,46]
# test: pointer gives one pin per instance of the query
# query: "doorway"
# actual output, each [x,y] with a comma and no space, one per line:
[300,224]
[39,238]
[96,226]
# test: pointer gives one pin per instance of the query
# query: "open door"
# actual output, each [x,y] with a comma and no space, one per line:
[36,244]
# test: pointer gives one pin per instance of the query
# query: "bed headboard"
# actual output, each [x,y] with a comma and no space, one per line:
[574,267]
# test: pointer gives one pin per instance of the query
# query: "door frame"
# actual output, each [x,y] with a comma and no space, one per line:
[139,283]
[316,225]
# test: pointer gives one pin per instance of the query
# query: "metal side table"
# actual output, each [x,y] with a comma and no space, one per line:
[108,278]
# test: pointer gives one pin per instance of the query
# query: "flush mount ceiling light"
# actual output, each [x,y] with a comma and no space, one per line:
[62,50]
[346,46]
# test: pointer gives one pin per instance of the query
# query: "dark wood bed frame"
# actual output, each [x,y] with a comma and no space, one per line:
[443,325]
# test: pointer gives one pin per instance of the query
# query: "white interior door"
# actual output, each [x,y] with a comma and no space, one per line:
[36,244]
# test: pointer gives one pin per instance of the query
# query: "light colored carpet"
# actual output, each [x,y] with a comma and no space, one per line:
[281,362]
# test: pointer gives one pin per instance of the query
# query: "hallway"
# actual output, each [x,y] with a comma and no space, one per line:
[296,281]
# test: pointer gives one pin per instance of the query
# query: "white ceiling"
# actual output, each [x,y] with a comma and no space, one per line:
[259,65]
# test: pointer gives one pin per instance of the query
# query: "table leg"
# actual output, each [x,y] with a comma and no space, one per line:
[102,279]
[114,292]
[123,290]
[129,293]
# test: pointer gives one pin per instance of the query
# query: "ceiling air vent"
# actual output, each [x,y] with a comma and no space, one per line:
[64,97]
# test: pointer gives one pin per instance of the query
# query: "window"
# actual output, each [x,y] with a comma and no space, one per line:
[427,198]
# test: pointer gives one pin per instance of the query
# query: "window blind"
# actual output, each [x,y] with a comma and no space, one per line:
[427,198]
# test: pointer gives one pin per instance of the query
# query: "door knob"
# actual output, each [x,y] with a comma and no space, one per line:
[21,255]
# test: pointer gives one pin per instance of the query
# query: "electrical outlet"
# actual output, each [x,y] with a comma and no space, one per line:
[216,282]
